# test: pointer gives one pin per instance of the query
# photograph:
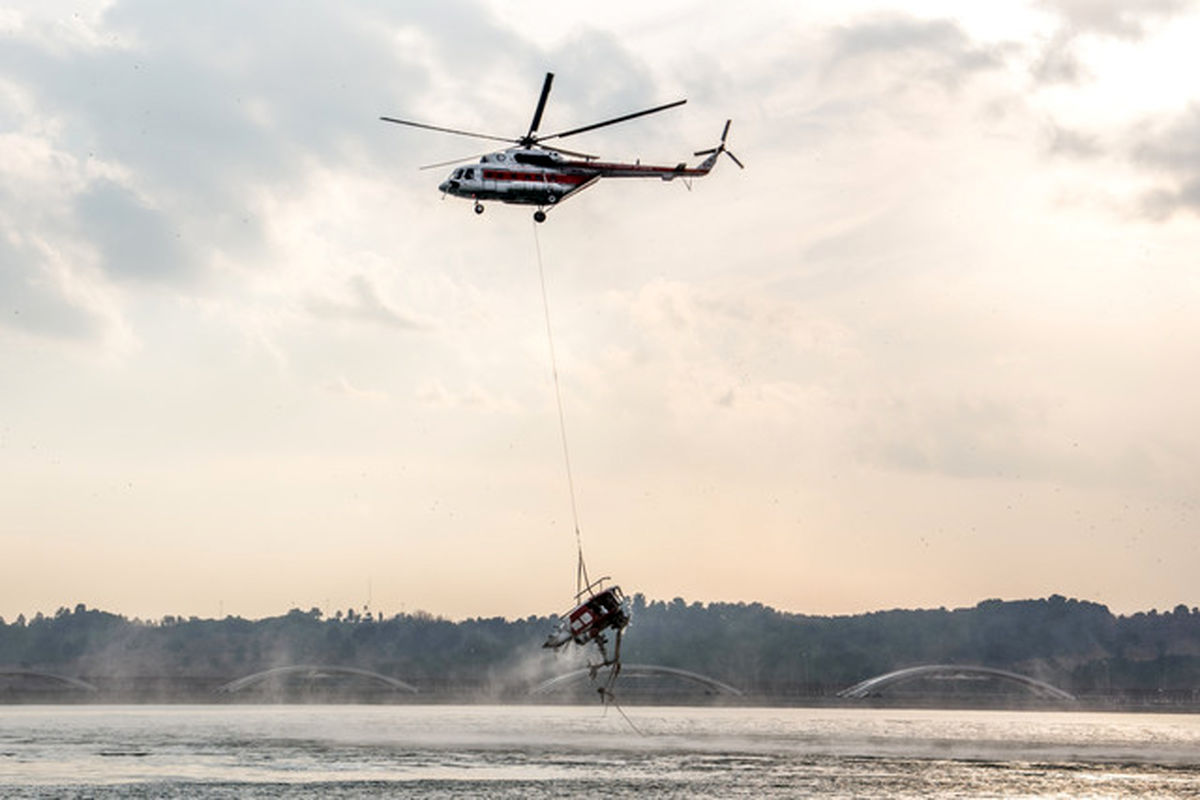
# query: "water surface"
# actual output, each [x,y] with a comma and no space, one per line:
[552,751]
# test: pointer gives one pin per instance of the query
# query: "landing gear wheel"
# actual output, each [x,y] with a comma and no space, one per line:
[539,216]
[479,208]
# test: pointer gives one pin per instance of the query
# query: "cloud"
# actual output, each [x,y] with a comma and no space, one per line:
[602,78]
[1072,143]
[909,48]
[134,240]
[343,386]
[1121,19]
[141,140]
[1116,19]
[48,278]
[962,437]
[33,301]
[364,305]
[741,365]
[434,395]
[159,137]
[1059,63]
[1161,150]
[1171,148]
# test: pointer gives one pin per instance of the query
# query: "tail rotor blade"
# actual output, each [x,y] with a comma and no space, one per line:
[721,147]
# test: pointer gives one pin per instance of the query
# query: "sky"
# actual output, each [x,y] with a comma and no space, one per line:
[937,343]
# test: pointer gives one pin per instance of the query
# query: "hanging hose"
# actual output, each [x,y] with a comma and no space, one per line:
[581,574]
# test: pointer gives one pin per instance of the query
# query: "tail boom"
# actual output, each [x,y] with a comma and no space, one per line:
[681,170]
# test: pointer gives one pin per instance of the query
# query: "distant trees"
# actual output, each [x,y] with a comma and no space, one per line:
[1078,645]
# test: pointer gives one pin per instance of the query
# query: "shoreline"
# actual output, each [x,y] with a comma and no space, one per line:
[1110,704]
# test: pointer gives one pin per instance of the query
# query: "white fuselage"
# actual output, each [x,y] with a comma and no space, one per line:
[539,177]
[525,177]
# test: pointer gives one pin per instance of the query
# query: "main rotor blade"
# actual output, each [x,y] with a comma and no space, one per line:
[735,159]
[448,130]
[462,160]
[613,121]
[725,132]
[541,105]
[566,152]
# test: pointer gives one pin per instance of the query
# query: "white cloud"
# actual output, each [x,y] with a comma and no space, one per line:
[1172,148]
[363,305]
[1119,18]
[1061,61]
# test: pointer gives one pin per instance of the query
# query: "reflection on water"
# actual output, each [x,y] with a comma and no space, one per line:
[402,751]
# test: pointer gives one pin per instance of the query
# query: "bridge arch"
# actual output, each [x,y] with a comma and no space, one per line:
[74,683]
[1040,688]
[638,671]
[314,671]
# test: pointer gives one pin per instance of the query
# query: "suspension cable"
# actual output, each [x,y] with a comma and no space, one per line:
[581,574]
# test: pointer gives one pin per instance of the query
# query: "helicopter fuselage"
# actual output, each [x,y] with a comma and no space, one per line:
[537,177]
[520,177]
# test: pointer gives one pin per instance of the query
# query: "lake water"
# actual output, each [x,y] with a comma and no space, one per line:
[553,751]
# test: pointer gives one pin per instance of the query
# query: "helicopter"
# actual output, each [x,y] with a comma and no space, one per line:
[603,609]
[535,174]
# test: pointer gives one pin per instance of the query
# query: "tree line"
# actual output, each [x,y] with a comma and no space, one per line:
[1077,645]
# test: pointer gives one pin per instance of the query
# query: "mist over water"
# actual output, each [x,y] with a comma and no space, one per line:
[536,751]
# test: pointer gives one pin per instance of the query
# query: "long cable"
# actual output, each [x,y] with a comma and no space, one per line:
[581,575]
[607,698]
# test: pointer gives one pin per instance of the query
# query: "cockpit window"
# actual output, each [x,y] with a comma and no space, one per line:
[458,173]
[470,174]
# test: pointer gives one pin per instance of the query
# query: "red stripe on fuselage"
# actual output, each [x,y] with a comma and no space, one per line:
[567,178]
[562,178]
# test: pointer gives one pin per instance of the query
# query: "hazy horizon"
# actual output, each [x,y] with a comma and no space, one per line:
[383,614]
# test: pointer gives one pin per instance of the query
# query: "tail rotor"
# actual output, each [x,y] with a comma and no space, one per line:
[715,152]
